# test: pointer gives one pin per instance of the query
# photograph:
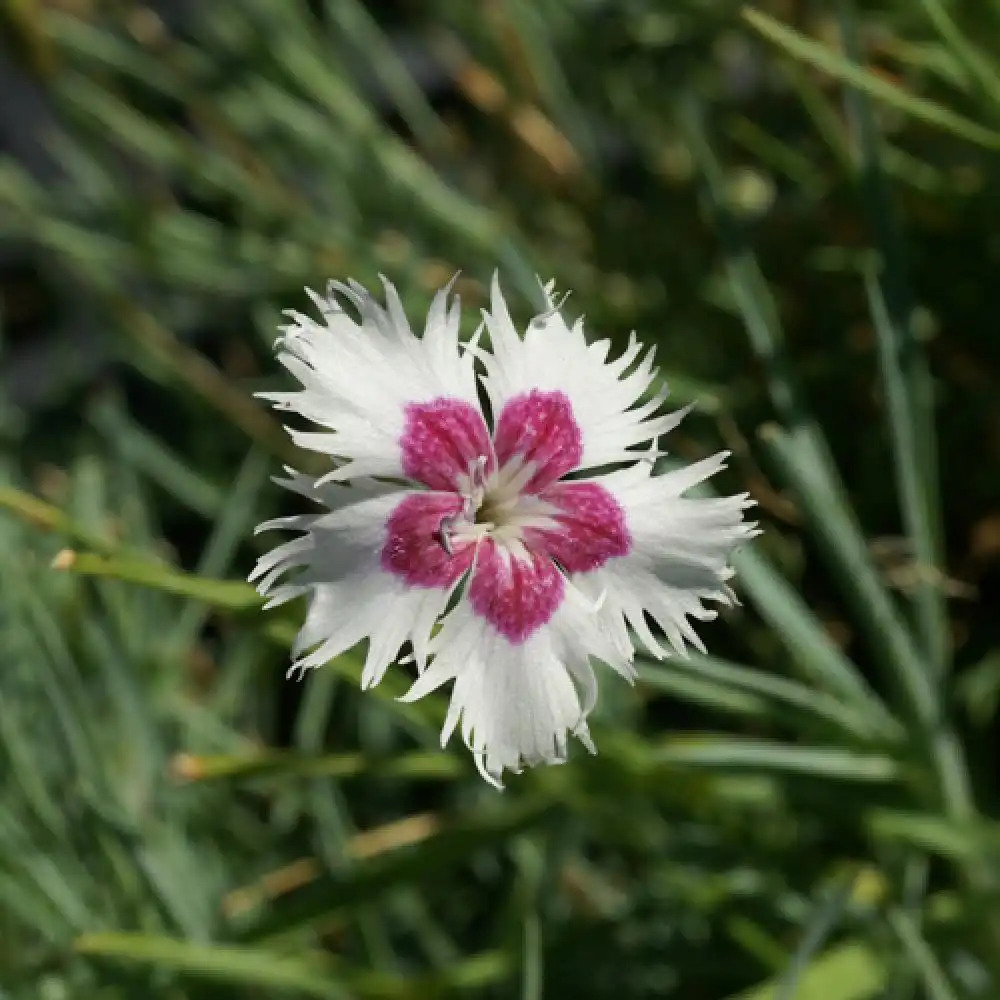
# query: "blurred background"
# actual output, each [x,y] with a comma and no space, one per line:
[798,201]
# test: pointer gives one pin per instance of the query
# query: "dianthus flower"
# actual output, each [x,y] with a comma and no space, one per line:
[497,544]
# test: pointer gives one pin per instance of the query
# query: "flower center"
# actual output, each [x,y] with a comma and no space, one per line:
[494,506]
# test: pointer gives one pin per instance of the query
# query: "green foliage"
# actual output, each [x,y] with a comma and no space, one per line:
[801,216]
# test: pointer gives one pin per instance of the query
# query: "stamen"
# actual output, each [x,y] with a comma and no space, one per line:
[494,506]
[473,532]
[477,472]
[444,532]
[512,478]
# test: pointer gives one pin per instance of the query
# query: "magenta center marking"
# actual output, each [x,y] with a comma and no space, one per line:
[413,550]
[539,427]
[589,530]
[517,597]
[434,538]
[440,439]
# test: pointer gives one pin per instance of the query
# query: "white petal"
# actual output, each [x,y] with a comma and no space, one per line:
[337,562]
[555,357]
[680,548]
[358,377]
[516,702]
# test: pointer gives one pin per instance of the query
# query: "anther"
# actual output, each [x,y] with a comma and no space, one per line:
[443,534]
[477,472]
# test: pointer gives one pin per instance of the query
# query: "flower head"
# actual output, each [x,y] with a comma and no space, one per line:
[491,542]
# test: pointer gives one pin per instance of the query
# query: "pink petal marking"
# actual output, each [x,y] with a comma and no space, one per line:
[591,530]
[539,427]
[440,439]
[413,548]
[517,597]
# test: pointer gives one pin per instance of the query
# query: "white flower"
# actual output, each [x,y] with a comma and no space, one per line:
[462,535]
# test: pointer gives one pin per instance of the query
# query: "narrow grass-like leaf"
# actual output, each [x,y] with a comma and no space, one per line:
[958,841]
[710,397]
[46,893]
[23,769]
[804,438]
[747,753]
[109,51]
[838,533]
[529,859]
[746,690]
[311,975]
[808,466]
[418,765]
[821,111]
[531,961]
[813,652]
[63,687]
[758,942]
[167,148]
[782,157]
[978,689]
[702,690]
[40,514]
[818,929]
[895,346]
[814,53]
[306,66]
[155,460]
[233,525]
[329,806]
[364,34]
[923,958]
[230,595]
[540,62]
[812,649]
[905,375]
[324,800]
[170,864]
[755,302]
[364,882]
[237,597]
[849,971]
[980,71]
[126,706]
[197,374]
